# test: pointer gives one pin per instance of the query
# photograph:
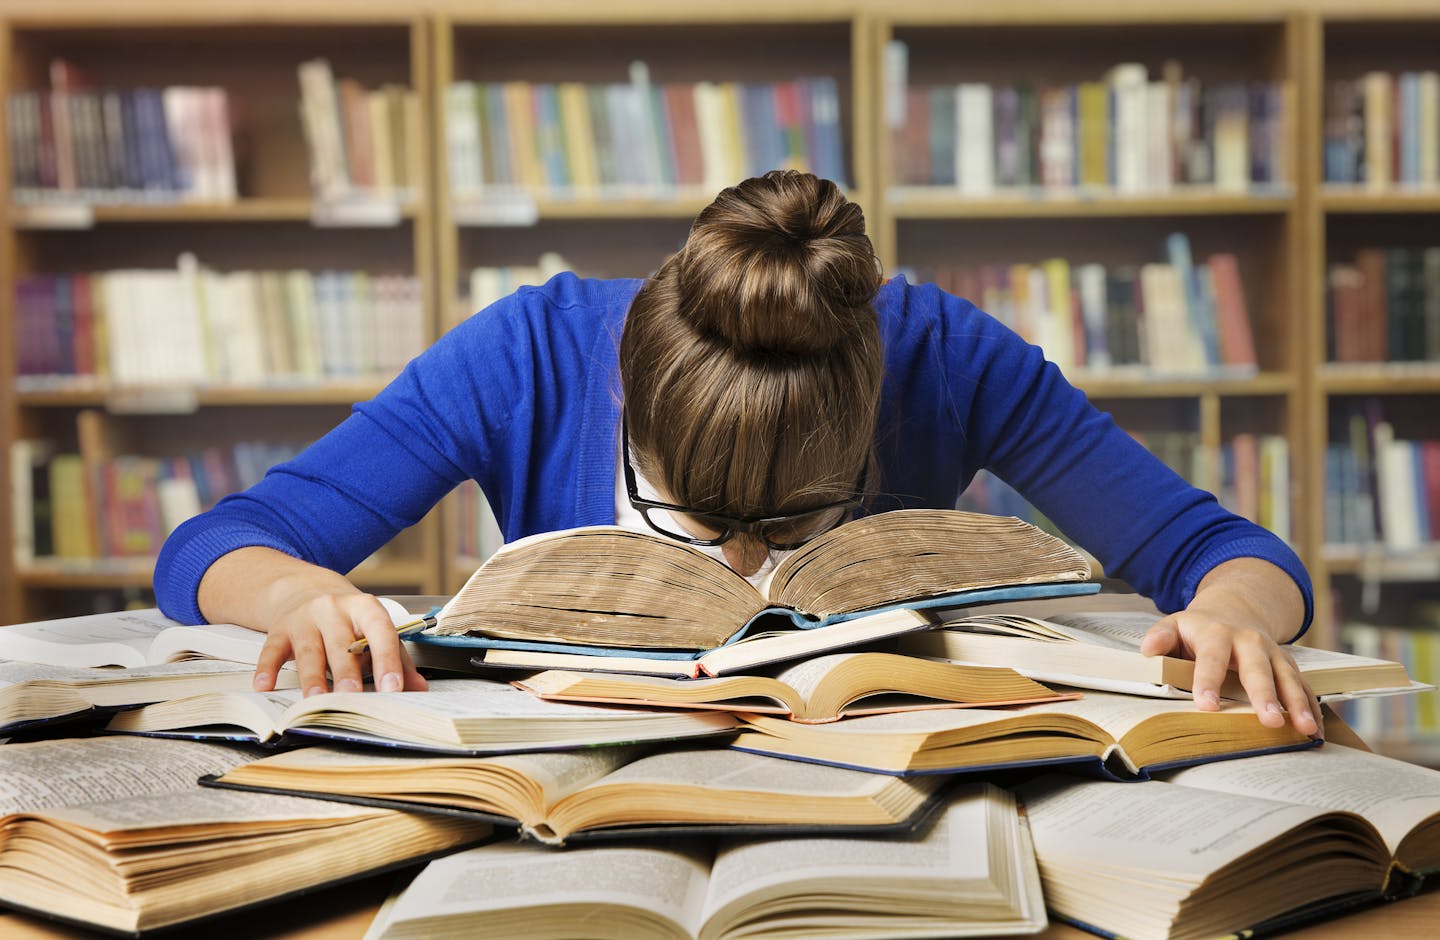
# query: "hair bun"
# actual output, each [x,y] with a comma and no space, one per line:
[779,265]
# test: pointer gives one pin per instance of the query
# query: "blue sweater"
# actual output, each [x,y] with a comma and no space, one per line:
[524,397]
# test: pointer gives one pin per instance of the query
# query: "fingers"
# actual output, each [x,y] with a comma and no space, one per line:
[318,636]
[1212,651]
[1296,696]
[1260,665]
[1160,639]
[387,656]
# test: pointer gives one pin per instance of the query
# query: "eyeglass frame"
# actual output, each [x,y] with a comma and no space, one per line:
[733,524]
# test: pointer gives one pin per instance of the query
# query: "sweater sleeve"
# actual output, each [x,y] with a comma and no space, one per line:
[376,473]
[1141,520]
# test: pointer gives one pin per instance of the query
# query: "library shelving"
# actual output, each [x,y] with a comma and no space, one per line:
[1072,173]
[613,188]
[104,215]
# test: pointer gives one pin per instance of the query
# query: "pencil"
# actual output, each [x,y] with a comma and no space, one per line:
[402,629]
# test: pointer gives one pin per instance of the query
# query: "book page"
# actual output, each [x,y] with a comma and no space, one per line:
[1394,795]
[1120,714]
[554,888]
[462,698]
[199,806]
[323,768]
[602,586]
[944,872]
[13,673]
[66,771]
[723,769]
[118,639]
[1150,826]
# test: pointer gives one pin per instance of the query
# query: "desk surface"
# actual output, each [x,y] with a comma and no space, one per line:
[345,912]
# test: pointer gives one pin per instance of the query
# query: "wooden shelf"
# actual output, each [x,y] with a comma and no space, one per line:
[933,202]
[164,400]
[1419,378]
[1340,200]
[65,215]
[1103,385]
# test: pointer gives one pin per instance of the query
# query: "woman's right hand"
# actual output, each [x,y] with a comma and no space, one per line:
[311,615]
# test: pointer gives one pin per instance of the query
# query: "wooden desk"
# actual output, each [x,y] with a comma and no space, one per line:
[345,912]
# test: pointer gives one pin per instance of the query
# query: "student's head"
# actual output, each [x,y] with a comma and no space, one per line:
[751,361]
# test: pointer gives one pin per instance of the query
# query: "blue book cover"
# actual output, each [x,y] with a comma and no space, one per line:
[942,135]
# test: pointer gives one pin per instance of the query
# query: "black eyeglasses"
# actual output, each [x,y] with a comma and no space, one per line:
[797,527]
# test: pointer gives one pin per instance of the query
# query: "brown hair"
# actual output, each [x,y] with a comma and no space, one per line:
[751,361]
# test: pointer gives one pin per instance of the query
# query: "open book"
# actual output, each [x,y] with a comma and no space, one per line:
[1124,736]
[458,716]
[609,588]
[602,792]
[127,638]
[31,693]
[972,873]
[825,688]
[1222,848]
[1101,649]
[114,833]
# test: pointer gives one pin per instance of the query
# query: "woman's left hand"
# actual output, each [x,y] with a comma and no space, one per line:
[1232,623]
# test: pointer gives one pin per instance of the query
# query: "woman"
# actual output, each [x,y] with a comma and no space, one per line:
[764,371]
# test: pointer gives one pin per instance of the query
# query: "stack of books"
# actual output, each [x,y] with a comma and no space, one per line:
[883,740]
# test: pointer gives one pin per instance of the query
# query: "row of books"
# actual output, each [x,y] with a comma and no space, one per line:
[1249,473]
[589,140]
[1172,317]
[1384,306]
[101,144]
[1127,131]
[363,142]
[220,327]
[1381,489]
[1412,719]
[486,284]
[1383,129]
[89,505]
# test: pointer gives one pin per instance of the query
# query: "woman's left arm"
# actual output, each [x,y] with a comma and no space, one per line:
[1242,611]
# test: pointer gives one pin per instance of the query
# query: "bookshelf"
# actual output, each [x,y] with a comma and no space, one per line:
[1015,211]
[614,226]
[1380,585]
[272,222]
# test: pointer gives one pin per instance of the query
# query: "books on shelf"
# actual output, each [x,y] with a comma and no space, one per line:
[819,689]
[1381,490]
[971,873]
[1125,132]
[1218,849]
[636,138]
[99,505]
[363,143]
[76,142]
[1100,649]
[1121,736]
[1380,129]
[454,716]
[556,797]
[1176,318]
[1384,306]
[224,328]
[113,833]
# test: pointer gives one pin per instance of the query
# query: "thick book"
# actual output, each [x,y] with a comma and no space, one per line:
[454,716]
[1118,736]
[1222,848]
[555,797]
[34,694]
[824,688]
[605,590]
[1098,648]
[113,833]
[971,873]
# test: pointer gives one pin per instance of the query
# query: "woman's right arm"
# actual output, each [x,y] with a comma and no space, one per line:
[311,615]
